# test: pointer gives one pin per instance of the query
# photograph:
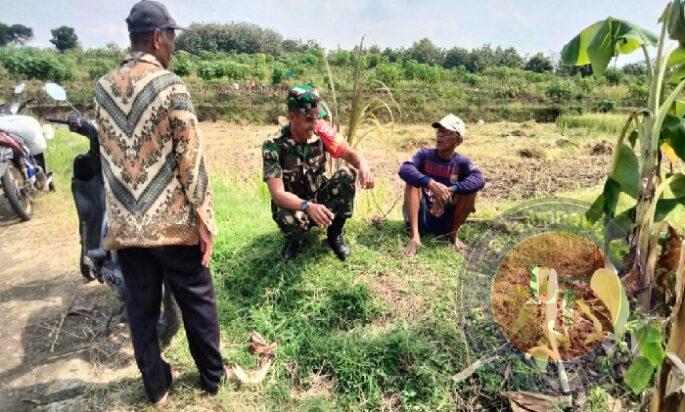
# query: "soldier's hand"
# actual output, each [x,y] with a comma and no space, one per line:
[365,177]
[320,214]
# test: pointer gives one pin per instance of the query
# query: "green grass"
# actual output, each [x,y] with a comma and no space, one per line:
[593,122]
[374,331]
[327,315]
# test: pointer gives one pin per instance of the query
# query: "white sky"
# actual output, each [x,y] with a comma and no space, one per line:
[528,25]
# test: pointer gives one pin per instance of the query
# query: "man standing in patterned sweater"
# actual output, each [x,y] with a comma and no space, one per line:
[441,187]
[158,201]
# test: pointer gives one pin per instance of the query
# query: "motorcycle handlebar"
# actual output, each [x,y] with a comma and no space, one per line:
[56,120]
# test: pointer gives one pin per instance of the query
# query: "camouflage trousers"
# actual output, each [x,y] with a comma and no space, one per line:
[337,194]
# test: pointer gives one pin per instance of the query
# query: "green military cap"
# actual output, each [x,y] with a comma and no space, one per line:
[306,99]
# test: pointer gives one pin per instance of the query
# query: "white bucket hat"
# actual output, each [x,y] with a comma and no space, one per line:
[453,123]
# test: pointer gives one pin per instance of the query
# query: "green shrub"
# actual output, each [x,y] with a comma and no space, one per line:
[430,74]
[98,68]
[606,105]
[508,90]
[260,73]
[182,64]
[561,90]
[411,69]
[614,76]
[498,72]
[206,70]
[33,63]
[587,84]
[373,60]
[638,91]
[278,75]
[340,58]
[389,74]
[231,70]
[472,79]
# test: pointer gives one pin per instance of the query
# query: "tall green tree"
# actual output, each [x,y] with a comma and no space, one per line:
[455,57]
[480,58]
[393,55]
[424,51]
[508,57]
[539,64]
[16,33]
[64,38]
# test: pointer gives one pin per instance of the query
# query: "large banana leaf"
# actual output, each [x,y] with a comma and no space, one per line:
[676,22]
[627,170]
[673,133]
[600,42]
[606,203]
[625,178]
[676,62]
[673,196]
[676,58]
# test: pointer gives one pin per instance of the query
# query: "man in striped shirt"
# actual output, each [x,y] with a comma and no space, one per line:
[441,187]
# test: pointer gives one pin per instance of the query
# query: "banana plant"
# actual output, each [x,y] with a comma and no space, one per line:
[636,170]
[650,134]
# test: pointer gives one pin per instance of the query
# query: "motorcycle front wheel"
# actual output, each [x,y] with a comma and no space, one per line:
[169,319]
[21,202]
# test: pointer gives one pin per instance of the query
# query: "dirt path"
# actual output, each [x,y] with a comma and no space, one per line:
[58,334]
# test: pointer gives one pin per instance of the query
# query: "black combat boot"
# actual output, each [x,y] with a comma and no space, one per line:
[336,240]
[291,248]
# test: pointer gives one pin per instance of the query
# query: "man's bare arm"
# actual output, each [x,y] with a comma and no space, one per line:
[359,162]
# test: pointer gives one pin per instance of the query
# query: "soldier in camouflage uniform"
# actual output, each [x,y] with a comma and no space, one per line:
[294,170]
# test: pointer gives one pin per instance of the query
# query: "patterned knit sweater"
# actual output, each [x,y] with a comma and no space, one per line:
[156,181]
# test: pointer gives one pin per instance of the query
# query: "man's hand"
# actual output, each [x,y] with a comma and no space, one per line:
[320,214]
[206,243]
[365,177]
[353,157]
[412,247]
[441,192]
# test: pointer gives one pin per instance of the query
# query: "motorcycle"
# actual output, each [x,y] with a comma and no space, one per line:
[88,190]
[22,165]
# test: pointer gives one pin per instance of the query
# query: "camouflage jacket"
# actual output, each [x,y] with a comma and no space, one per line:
[301,165]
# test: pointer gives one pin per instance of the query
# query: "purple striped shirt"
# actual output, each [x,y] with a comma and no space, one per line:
[458,172]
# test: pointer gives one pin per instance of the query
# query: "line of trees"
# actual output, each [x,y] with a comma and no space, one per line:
[252,39]
[63,38]
[210,43]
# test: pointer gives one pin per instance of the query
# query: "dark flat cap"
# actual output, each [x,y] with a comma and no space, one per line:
[148,15]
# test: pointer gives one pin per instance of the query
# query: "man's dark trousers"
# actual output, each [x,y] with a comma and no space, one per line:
[144,271]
